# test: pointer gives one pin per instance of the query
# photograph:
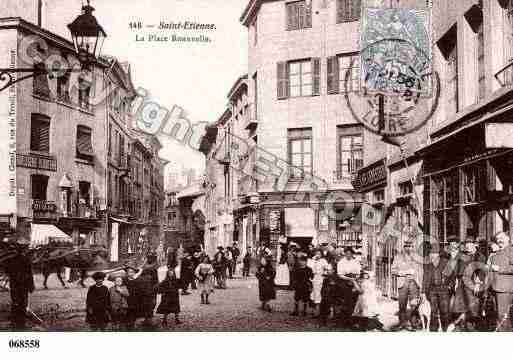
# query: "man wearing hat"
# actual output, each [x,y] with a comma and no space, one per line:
[501,266]
[408,272]
[21,281]
[98,306]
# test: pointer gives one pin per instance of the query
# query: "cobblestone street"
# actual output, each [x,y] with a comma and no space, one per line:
[233,309]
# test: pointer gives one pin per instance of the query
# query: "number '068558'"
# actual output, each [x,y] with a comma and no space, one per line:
[24,343]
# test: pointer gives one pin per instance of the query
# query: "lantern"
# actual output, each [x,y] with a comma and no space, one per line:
[88,36]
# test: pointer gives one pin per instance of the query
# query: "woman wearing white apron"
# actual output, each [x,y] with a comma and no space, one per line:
[319,267]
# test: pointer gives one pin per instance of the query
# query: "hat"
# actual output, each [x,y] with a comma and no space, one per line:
[22,241]
[408,243]
[293,244]
[98,276]
[349,249]
[127,267]
[220,247]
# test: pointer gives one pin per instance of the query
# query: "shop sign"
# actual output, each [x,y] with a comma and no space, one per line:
[498,135]
[323,222]
[275,221]
[371,175]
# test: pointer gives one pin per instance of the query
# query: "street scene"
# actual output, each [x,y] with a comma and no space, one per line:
[291,166]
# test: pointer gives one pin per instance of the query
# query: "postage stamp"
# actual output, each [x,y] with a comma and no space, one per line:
[395,52]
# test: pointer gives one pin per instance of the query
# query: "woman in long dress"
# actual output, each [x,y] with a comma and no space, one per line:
[204,272]
[266,290]
[170,302]
[319,267]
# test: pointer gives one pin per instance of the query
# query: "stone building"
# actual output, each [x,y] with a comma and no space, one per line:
[299,53]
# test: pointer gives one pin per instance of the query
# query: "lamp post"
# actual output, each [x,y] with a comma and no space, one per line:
[88,37]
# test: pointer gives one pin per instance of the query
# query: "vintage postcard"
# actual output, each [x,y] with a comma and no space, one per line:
[255,166]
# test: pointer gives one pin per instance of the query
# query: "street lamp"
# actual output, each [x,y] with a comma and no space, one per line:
[88,37]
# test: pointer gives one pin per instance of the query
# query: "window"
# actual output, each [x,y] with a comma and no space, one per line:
[40,133]
[337,68]
[40,83]
[299,78]
[350,154]
[39,185]
[348,10]
[405,188]
[84,92]
[84,189]
[299,15]
[300,152]
[121,143]
[109,139]
[444,200]
[63,88]
[448,47]
[84,148]
[508,31]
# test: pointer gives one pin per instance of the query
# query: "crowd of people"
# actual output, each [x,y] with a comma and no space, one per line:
[465,287]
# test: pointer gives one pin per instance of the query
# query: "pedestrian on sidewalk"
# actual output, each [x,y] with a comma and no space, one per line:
[246,265]
[235,256]
[348,270]
[319,267]
[98,305]
[408,272]
[170,300]
[21,283]
[119,303]
[204,273]
[220,268]
[366,311]
[229,261]
[303,276]
[266,289]
[187,273]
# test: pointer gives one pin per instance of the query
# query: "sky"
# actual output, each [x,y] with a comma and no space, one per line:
[195,76]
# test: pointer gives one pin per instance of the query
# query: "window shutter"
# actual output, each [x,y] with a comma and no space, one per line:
[283,80]
[292,16]
[84,144]
[357,8]
[308,15]
[316,76]
[333,75]
[44,137]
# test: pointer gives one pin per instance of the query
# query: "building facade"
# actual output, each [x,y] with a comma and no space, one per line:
[299,53]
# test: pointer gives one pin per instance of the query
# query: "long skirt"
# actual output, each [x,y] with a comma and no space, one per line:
[206,286]
[316,291]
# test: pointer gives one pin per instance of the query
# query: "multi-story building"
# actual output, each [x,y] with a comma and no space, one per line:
[87,194]
[299,53]
[452,178]
[49,184]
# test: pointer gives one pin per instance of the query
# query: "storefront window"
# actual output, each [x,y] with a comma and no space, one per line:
[444,191]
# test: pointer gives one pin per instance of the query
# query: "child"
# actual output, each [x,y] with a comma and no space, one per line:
[266,290]
[119,303]
[366,312]
[303,276]
[204,273]
[329,295]
[246,262]
[170,302]
[98,304]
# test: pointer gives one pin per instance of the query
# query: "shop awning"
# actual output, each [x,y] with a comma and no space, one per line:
[41,234]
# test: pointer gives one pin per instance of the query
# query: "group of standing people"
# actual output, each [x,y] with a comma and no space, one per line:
[330,283]
[466,290]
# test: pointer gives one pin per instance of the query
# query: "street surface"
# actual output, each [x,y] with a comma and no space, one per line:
[233,309]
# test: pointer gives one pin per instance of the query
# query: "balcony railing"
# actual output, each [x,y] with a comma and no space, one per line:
[251,120]
[36,161]
[44,209]
[347,175]
[505,75]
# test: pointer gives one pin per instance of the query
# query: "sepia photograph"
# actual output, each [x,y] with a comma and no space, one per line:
[328,166]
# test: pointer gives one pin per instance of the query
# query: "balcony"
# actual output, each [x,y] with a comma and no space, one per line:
[36,161]
[505,75]
[343,175]
[251,119]
[43,209]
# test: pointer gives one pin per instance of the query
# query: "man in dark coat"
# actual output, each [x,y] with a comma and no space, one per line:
[501,267]
[235,256]
[187,273]
[21,281]
[438,281]
[98,306]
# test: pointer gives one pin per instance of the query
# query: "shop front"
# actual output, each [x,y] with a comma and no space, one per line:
[469,195]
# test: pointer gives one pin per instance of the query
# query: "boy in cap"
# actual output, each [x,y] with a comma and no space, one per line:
[98,303]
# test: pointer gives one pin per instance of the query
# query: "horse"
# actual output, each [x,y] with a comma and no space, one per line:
[53,260]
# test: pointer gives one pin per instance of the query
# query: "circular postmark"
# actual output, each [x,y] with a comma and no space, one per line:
[398,92]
